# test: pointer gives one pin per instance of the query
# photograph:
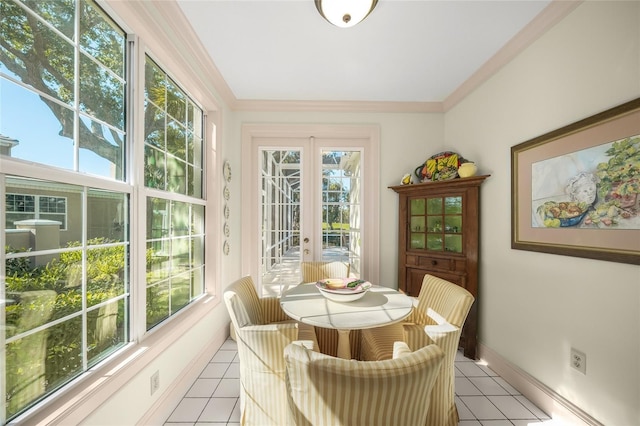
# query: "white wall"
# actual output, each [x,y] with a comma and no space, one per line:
[178,365]
[230,151]
[533,306]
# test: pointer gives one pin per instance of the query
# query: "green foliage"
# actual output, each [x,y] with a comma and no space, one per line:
[17,265]
[105,280]
[44,60]
[157,305]
[336,209]
[621,173]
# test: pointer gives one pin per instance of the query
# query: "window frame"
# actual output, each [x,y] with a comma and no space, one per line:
[144,193]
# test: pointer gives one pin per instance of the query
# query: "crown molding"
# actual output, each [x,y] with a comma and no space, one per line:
[337,106]
[165,29]
[198,57]
[550,16]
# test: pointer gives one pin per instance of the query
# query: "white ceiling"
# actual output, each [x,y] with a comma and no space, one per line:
[405,51]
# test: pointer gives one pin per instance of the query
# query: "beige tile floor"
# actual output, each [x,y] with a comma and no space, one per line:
[483,398]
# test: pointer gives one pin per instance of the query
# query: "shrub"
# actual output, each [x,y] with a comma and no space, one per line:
[105,280]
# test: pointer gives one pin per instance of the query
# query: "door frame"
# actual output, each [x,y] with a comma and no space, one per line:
[250,247]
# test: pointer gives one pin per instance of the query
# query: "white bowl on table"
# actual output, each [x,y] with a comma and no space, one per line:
[339,289]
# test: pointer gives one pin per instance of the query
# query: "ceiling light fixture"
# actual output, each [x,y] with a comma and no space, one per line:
[345,13]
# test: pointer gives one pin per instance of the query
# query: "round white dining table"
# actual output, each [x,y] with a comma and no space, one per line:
[379,306]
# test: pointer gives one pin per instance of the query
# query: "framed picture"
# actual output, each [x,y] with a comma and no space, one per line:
[576,190]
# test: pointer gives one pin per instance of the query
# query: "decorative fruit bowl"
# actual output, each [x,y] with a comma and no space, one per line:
[563,213]
[343,289]
[441,166]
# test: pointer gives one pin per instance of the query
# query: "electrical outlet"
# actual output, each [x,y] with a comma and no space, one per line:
[578,360]
[155,382]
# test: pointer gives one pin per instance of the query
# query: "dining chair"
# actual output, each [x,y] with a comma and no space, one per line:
[438,316]
[313,271]
[325,390]
[310,272]
[262,332]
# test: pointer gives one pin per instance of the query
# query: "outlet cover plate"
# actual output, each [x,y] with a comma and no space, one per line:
[578,360]
[155,382]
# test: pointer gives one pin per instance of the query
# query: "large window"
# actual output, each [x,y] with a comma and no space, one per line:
[175,208]
[65,283]
[66,260]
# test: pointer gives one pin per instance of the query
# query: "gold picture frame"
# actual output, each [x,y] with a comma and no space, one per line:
[576,190]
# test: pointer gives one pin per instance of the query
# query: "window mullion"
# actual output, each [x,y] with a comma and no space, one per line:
[85,268]
[36,207]
[135,176]
[76,88]
[3,387]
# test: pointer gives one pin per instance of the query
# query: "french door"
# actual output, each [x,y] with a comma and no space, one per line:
[310,197]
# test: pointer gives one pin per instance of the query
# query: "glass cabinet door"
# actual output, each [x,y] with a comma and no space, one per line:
[417,223]
[435,224]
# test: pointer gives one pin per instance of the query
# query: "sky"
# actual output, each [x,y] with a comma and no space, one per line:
[23,116]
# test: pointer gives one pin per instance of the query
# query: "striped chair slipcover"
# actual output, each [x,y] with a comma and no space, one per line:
[440,312]
[262,332]
[311,272]
[324,390]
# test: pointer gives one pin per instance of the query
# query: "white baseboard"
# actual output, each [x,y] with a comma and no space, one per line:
[160,411]
[545,398]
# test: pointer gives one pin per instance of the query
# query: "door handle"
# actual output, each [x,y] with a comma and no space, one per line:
[306,240]
[306,251]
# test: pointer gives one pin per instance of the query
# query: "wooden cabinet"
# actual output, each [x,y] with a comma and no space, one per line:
[439,235]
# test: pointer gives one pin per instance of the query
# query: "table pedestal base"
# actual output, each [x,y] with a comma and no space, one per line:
[344,348]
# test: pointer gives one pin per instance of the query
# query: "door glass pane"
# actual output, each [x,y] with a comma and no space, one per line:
[341,200]
[280,186]
[336,233]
